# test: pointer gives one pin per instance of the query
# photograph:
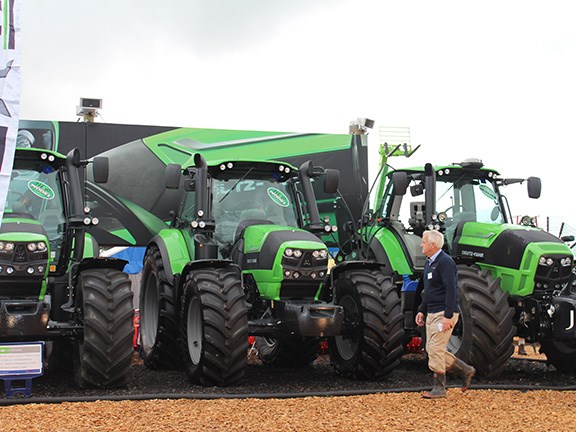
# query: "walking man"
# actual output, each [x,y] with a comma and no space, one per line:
[439,312]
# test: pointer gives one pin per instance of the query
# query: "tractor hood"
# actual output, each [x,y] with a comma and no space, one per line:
[529,251]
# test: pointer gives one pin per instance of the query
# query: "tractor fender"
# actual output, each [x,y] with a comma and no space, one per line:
[339,268]
[99,263]
[174,250]
[211,264]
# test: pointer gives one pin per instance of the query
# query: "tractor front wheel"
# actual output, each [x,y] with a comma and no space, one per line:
[102,358]
[560,354]
[214,327]
[371,345]
[485,331]
[159,336]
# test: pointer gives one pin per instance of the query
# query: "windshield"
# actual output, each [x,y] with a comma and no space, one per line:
[238,199]
[37,195]
[462,197]
[468,199]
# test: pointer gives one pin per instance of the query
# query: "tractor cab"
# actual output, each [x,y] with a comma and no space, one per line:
[446,198]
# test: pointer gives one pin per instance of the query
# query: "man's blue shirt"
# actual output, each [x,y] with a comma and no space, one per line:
[440,285]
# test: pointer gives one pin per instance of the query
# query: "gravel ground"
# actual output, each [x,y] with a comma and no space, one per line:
[172,404]
[318,379]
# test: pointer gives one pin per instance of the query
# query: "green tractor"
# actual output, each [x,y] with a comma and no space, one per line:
[53,288]
[243,256]
[514,280]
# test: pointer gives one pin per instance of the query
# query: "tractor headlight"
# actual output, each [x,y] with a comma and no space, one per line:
[297,253]
[8,247]
[542,261]
[288,252]
[442,217]
[32,247]
[549,261]
[566,261]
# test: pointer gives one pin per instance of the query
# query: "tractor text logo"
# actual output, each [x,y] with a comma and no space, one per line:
[278,197]
[41,189]
[571,320]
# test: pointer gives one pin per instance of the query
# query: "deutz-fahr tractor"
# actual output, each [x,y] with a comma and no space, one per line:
[52,286]
[243,257]
[514,280]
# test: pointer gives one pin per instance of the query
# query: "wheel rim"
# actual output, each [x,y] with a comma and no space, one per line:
[348,343]
[194,330]
[150,312]
[455,341]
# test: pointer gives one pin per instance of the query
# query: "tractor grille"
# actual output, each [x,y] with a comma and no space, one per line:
[552,275]
[297,290]
[20,287]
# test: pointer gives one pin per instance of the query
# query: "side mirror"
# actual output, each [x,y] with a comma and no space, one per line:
[534,187]
[331,180]
[100,169]
[567,238]
[73,157]
[172,176]
[400,182]
[307,169]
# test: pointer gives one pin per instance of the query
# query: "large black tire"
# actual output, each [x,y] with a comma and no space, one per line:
[159,326]
[214,327]
[287,352]
[484,334]
[371,343]
[560,354]
[102,358]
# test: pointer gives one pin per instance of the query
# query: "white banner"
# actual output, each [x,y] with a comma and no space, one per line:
[9,92]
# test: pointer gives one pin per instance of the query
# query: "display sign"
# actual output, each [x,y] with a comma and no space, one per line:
[21,359]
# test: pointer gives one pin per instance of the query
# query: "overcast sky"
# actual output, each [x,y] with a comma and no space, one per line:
[489,79]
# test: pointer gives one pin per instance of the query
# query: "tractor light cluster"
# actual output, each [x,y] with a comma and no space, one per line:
[91,221]
[45,156]
[297,253]
[225,166]
[284,169]
[31,270]
[293,274]
[320,254]
[198,224]
[36,247]
[330,228]
[6,246]
[564,262]
[541,285]
[444,172]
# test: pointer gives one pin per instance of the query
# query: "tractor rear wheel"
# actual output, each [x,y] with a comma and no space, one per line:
[287,352]
[560,354]
[102,358]
[485,331]
[372,337]
[214,327]
[159,334]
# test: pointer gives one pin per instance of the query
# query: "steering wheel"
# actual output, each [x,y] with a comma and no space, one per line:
[21,199]
[244,205]
[455,207]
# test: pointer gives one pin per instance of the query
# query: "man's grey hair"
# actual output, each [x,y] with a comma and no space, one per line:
[435,237]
